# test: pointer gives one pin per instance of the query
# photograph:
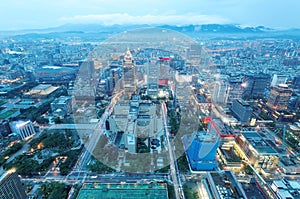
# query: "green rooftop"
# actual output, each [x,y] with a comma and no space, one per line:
[123,191]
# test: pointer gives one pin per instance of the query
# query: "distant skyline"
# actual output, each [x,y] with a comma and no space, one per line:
[31,14]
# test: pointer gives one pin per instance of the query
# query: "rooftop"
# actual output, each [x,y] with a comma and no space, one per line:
[242,102]
[124,191]
[42,89]
[258,142]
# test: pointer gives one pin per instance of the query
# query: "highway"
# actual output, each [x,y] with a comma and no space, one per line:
[102,178]
[179,194]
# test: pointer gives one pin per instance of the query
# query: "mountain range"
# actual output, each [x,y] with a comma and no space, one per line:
[192,29]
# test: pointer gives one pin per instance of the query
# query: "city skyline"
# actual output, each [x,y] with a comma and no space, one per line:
[46,14]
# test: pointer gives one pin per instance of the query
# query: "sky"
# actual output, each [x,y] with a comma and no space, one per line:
[32,14]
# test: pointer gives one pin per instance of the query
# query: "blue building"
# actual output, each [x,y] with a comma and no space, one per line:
[201,149]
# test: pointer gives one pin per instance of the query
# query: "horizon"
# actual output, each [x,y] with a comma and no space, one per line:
[33,14]
[72,25]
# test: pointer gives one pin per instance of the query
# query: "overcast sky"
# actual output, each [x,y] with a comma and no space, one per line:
[27,14]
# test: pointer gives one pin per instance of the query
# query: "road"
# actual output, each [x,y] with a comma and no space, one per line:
[90,145]
[172,157]
[261,181]
[103,178]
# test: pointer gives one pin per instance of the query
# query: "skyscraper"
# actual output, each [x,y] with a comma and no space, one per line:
[279,97]
[234,89]
[194,53]
[152,77]
[129,75]
[254,85]
[11,186]
[220,91]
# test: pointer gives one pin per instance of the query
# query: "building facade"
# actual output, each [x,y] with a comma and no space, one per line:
[11,186]
[4,128]
[279,97]
[201,151]
[220,91]
[259,152]
[254,85]
[152,78]
[129,75]
[23,129]
[241,110]
[63,103]
[278,79]
[234,90]
[87,69]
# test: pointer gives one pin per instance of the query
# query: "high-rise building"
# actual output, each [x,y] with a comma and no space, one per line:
[278,79]
[11,186]
[254,85]
[220,91]
[164,68]
[87,69]
[23,129]
[129,75]
[182,91]
[279,97]
[152,78]
[201,150]
[234,89]
[242,110]
[115,75]
[194,53]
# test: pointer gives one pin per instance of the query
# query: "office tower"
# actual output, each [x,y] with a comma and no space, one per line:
[115,75]
[194,53]
[87,69]
[234,89]
[278,79]
[182,91]
[152,78]
[129,75]
[279,97]
[242,110]
[201,150]
[254,85]
[11,186]
[220,91]
[23,129]
[164,68]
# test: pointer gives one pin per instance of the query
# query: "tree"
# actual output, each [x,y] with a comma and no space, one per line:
[248,170]
[57,120]
[42,120]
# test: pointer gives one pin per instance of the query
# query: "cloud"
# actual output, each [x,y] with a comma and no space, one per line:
[124,18]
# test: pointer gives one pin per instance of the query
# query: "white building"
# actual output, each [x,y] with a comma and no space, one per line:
[278,79]
[23,129]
